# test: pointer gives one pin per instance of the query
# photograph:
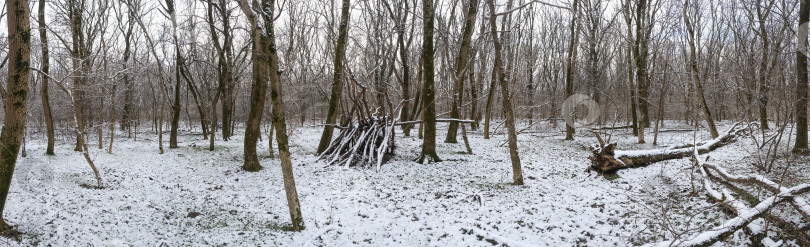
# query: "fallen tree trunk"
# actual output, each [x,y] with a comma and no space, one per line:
[606,159]
[745,214]
[800,204]
[743,218]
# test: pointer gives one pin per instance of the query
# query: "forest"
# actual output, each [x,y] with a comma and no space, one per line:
[404,123]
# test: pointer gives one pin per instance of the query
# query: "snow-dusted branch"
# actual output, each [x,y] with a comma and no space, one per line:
[528,4]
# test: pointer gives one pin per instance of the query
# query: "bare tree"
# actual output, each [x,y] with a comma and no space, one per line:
[428,90]
[46,105]
[178,67]
[461,68]
[693,66]
[14,95]
[261,62]
[267,11]
[571,62]
[801,82]
[337,77]
[517,170]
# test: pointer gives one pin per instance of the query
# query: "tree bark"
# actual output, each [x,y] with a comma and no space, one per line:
[279,120]
[126,114]
[46,105]
[572,56]
[337,78]
[178,67]
[641,50]
[14,95]
[162,86]
[461,67]
[258,94]
[801,83]
[401,18]
[78,54]
[428,94]
[517,170]
[764,71]
[693,65]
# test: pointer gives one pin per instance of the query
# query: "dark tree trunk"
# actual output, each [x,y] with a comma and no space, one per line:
[46,105]
[178,67]
[428,94]
[640,53]
[337,78]
[801,83]
[517,170]
[127,113]
[693,65]
[572,56]
[461,67]
[77,52]
[14,95]
[258,94]
[279,120]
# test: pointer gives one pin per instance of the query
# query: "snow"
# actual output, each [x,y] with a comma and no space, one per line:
[192,196]
[768,242]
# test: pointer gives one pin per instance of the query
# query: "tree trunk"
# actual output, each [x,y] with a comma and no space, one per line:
[78,54]
[640,54]
[801,82]
[461,67]
[605,159]
[112,119]
[428,94]
[14,95]
[572,55]
[46,105]
[764,84]
[660,118]
[126,114]
[279,121]
[178,67]
[693,65]
[488,107]
[406,71]
[258,94]
[162,86]
[517,170]
[337,78]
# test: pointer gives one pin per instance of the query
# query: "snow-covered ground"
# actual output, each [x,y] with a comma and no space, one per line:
[190,196]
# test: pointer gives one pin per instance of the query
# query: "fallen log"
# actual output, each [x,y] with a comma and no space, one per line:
[606,159]
[745,214]
[715,234]
[800,204]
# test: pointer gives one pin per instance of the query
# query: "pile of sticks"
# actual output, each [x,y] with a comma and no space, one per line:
[366,138]
[364,142]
